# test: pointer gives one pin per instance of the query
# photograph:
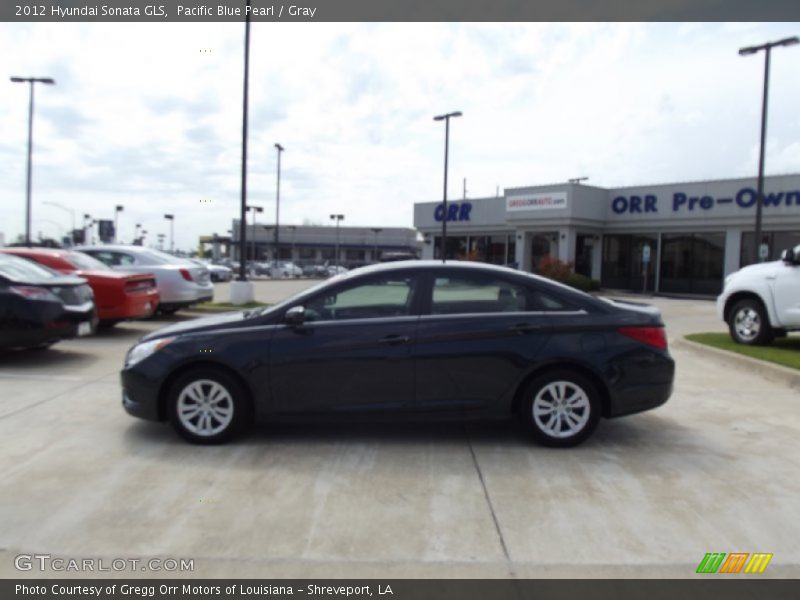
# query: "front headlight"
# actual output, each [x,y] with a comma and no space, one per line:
[141,351]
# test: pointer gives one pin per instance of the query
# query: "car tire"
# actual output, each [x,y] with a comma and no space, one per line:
[208,406]
[748,324]
[168,310]
[560,408]
[107,323]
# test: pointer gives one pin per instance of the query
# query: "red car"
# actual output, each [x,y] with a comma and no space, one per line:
[117,296]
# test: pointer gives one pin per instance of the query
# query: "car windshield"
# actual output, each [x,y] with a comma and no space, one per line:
[85,262]
[19,269]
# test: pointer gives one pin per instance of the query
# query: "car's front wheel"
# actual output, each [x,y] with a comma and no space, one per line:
[748,324]
[208,406]
[560,408]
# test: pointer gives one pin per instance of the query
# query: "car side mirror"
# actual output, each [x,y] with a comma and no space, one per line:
[788,256]
[295,315]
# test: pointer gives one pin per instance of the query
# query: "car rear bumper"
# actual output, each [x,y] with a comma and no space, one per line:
[135,307]
[640,382]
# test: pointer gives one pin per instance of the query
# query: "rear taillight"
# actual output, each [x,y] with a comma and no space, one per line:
[143,285]
[652,336]
[186,274]
[32,292]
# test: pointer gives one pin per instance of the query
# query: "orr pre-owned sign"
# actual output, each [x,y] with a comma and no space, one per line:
[680,202]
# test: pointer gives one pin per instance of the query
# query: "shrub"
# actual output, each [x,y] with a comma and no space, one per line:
[555,269]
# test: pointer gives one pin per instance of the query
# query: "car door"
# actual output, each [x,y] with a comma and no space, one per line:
[354,352]
[480,335]
[786,290]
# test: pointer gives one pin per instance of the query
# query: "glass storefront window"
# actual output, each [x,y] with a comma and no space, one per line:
[623,265]
[456,247]
[777,242]
[692,263]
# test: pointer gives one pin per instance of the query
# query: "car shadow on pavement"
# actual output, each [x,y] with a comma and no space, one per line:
[643,432]
[49,357]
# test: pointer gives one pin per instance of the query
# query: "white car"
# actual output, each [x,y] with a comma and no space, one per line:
[762,301]
[216,272]
[180,281]
[288,270]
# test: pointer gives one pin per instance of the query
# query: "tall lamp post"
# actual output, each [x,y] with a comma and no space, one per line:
[337,218]
[376,231]
[767,48]
[118,209]
[446,118]
[87,228]
[136,233]
[30,81]
[71,213]
[171,219]
[279,148]
[256,210]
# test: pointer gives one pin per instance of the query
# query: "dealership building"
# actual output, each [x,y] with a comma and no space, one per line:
[683,237]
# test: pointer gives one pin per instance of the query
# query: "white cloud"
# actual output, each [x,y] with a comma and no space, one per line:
[149,116]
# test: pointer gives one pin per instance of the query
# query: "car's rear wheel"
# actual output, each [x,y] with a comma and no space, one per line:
[560,408]
[748,324]
[208,406]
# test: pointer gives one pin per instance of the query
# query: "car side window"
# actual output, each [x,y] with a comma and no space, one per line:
[469,294]
[542,302]
[382,297]
[103,256]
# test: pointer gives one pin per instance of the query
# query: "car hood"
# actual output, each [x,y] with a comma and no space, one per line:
[222,321]
[757,270]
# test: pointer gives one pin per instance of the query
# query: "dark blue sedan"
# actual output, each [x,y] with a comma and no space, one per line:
[415,339]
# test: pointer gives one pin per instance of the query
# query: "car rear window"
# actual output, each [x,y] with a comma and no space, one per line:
[85,262]
[19,269]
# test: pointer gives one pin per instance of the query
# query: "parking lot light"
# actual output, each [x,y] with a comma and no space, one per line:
[171,219]
[280,149]
[30,81]
[446,118]
[337,218]
[746,51]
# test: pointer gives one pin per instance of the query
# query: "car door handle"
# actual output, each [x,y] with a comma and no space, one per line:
[525,327]
[394,340]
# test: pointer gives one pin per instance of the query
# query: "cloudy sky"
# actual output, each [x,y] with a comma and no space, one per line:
[149,115]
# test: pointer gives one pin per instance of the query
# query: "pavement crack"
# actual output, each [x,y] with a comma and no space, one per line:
[489,503]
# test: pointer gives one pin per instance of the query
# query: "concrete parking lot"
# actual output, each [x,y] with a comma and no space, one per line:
[714,470]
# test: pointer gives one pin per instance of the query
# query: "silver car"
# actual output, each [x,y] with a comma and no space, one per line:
[180,281]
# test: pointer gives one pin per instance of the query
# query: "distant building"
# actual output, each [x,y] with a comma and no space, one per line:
[315,244]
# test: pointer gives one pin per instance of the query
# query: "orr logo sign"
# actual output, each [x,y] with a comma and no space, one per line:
[686,203]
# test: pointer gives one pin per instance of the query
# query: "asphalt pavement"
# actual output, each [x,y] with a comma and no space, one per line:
[714,470]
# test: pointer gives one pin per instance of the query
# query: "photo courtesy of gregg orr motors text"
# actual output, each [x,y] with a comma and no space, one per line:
[57,564]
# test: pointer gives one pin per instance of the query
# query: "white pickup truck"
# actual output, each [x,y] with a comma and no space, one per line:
[761,302]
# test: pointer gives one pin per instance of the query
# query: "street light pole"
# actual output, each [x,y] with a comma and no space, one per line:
[119,208]
[256,210]
[376,231]
[136,232]
[446,118]
[767,48]
[30,81]
[171,219]
[337,218]
[279,148]
[70,211]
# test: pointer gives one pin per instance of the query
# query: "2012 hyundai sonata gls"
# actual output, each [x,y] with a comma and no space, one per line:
[412,338]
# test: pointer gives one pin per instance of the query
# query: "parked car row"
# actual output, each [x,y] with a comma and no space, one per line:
[51,294]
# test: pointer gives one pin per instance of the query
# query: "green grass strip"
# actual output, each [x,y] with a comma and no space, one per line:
[783,351]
